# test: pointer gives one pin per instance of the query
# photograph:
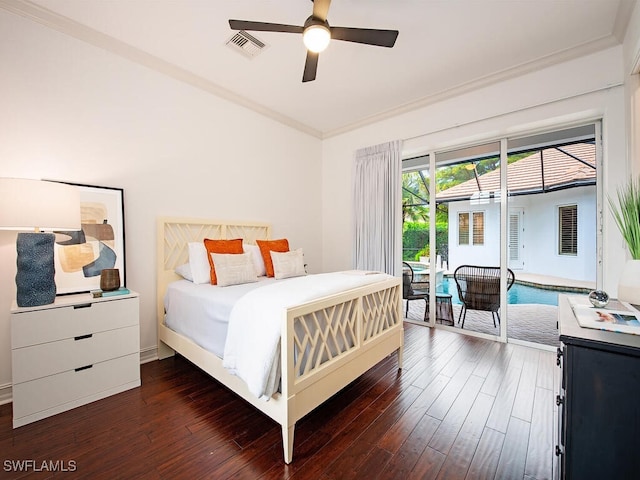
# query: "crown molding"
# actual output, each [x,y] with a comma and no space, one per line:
[81,32]
[522,69]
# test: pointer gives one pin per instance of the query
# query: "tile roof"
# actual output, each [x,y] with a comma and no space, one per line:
[562,169]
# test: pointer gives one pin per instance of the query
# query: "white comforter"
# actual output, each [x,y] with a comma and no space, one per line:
[201,312]
[252,348]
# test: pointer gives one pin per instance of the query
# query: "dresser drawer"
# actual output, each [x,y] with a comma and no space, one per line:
[48,325]
[52,393]
[50,358]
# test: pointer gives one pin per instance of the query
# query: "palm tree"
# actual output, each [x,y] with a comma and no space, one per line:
[415,197]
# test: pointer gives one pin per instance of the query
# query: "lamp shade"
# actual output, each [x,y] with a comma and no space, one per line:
[27,204]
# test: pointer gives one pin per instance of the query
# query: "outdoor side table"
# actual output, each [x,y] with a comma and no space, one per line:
[444,309]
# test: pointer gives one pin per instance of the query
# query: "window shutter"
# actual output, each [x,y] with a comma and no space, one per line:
[463,228]
[514,236]
[568,230]
[478,228]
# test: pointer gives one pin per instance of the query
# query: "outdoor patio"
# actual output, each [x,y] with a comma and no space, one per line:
[531,323]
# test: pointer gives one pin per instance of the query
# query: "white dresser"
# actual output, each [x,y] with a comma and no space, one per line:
[72,352]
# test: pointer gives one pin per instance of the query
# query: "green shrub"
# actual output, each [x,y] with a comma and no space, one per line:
[415,240]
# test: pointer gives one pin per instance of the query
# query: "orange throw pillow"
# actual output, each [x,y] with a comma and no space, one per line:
[268,246]
[221,246]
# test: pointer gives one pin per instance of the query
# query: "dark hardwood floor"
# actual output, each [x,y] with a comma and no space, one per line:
[461,408]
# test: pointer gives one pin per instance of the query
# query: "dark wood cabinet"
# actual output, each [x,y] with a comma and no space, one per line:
[598,402]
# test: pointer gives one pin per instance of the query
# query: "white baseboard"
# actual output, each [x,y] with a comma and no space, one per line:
[148,355]
[6,395]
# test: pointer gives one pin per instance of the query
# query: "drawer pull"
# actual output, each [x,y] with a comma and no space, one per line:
[82,337]
[86,367]
[82,305]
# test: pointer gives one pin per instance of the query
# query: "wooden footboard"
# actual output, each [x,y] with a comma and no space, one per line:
[326,343]
[332,341]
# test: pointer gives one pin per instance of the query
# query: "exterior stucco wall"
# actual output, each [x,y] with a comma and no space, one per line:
[539,236]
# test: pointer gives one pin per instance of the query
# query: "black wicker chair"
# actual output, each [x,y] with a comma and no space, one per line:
[409,293]
[479,289]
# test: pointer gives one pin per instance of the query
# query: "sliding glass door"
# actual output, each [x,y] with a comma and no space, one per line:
[527,207]
[553,231]
[468,189]
[416,220]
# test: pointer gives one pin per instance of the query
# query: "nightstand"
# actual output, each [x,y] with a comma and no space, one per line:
[74,351]
[598,408]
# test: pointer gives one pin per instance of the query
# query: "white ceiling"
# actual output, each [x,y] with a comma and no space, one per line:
[444,47]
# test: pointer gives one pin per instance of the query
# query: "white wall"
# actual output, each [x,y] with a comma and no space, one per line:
[73,112]
[486,254]
[540,237]
[575,91]
[632,84]
[632,41]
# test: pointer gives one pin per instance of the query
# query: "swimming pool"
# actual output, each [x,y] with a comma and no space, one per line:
[517,294]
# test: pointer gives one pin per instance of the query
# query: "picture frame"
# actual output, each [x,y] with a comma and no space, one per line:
[80,256]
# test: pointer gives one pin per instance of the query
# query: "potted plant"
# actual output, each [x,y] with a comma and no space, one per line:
[626,213]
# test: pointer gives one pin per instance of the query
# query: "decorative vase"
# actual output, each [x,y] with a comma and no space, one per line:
[629,283]
[110,279]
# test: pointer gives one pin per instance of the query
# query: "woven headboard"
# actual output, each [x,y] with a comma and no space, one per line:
[174,235]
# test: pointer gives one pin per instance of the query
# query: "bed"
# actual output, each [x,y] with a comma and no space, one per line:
[370,314]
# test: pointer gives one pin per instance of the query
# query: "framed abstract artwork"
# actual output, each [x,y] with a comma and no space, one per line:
[81,255]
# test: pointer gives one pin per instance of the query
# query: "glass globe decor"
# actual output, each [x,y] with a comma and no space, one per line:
[599,298]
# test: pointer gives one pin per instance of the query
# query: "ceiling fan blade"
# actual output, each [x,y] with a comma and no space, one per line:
[264,27]
[321,9]
[310,67]
[369,36]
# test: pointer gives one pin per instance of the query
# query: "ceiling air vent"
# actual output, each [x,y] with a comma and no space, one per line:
[246,44]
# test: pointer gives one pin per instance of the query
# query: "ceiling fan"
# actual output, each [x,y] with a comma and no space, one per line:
[316,34]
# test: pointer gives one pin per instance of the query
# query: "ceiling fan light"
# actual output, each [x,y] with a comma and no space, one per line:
[316,38]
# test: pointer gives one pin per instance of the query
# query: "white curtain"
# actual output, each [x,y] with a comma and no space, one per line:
[377,207]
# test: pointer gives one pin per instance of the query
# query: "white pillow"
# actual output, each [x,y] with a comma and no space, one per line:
[288,264]
[185,272]
[199,263]
[256,256]
[234,268]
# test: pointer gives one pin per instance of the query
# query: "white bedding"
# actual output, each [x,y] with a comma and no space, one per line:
[252,349]
[242,323]
[201,312]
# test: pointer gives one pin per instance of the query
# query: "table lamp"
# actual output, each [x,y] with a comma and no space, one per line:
[37,205]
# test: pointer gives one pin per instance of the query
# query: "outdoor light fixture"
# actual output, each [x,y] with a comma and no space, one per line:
[316,36]
[472,166]
[34,206]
